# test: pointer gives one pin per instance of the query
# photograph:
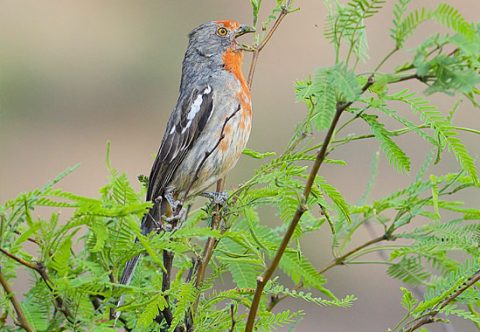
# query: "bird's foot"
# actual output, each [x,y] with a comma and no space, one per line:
[163,225]
[218,198]
[174,222]
[176,205]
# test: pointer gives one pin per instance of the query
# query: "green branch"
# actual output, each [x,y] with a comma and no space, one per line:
[431,316]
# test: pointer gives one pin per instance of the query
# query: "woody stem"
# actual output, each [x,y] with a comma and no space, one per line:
[22,320]
[211,242]
[430,317]
[41,270]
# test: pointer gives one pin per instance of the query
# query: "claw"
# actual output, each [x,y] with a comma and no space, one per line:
[174,204]
[174,222]
[162,225]
[219,198]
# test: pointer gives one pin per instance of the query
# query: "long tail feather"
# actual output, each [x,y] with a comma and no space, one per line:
[147,226]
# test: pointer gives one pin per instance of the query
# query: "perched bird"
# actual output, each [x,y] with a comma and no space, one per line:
[207,130]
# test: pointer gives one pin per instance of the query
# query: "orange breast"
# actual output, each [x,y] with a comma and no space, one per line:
[233,60]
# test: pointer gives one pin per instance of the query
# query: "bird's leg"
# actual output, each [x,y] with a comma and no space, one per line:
[174,204]
[219,198]
[176,217]
[160,224]
[178,212]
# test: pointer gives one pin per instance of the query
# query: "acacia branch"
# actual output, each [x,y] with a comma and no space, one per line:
[28,239]
[22,320]
[431,316]
[167,275]
[40,269]
[259,48]
[19,260]
[341,260]
[211,242]
[301,208]
[232,315]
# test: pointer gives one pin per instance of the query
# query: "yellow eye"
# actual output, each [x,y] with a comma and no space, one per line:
[222,32]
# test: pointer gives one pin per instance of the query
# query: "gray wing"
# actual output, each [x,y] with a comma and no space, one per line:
[183,129]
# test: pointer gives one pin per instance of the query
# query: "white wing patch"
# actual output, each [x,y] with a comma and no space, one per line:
[196,107]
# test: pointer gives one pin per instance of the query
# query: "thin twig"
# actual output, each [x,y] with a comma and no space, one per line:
[388,56]
[18,259]
[232,315]
[40,269]
[21,319]
[301,208]
[210,246]
[28,239]
[256,53]
[430,317]
[211,242]
[167,274]
[259,48]
[337,261]
[340,260]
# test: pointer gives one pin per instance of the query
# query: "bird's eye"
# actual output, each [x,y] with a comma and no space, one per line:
[222,32]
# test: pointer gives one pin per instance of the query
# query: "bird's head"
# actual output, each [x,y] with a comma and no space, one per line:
[216,37]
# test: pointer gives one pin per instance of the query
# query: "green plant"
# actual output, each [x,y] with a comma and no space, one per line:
[77,260]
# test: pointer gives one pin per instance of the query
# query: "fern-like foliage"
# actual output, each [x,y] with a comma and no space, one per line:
[442,127]
[405,25]
[329,87]
[394,154]
[451,18]
[347,23]
[270,322]
[277,290]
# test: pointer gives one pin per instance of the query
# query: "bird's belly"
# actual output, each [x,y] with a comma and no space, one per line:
[216,157]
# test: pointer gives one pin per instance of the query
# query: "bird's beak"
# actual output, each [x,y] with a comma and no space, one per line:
[243,29]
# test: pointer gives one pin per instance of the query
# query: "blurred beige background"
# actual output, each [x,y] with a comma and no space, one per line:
[75,74]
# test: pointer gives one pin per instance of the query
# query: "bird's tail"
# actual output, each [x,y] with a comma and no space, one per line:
[147,226]
[126,278]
